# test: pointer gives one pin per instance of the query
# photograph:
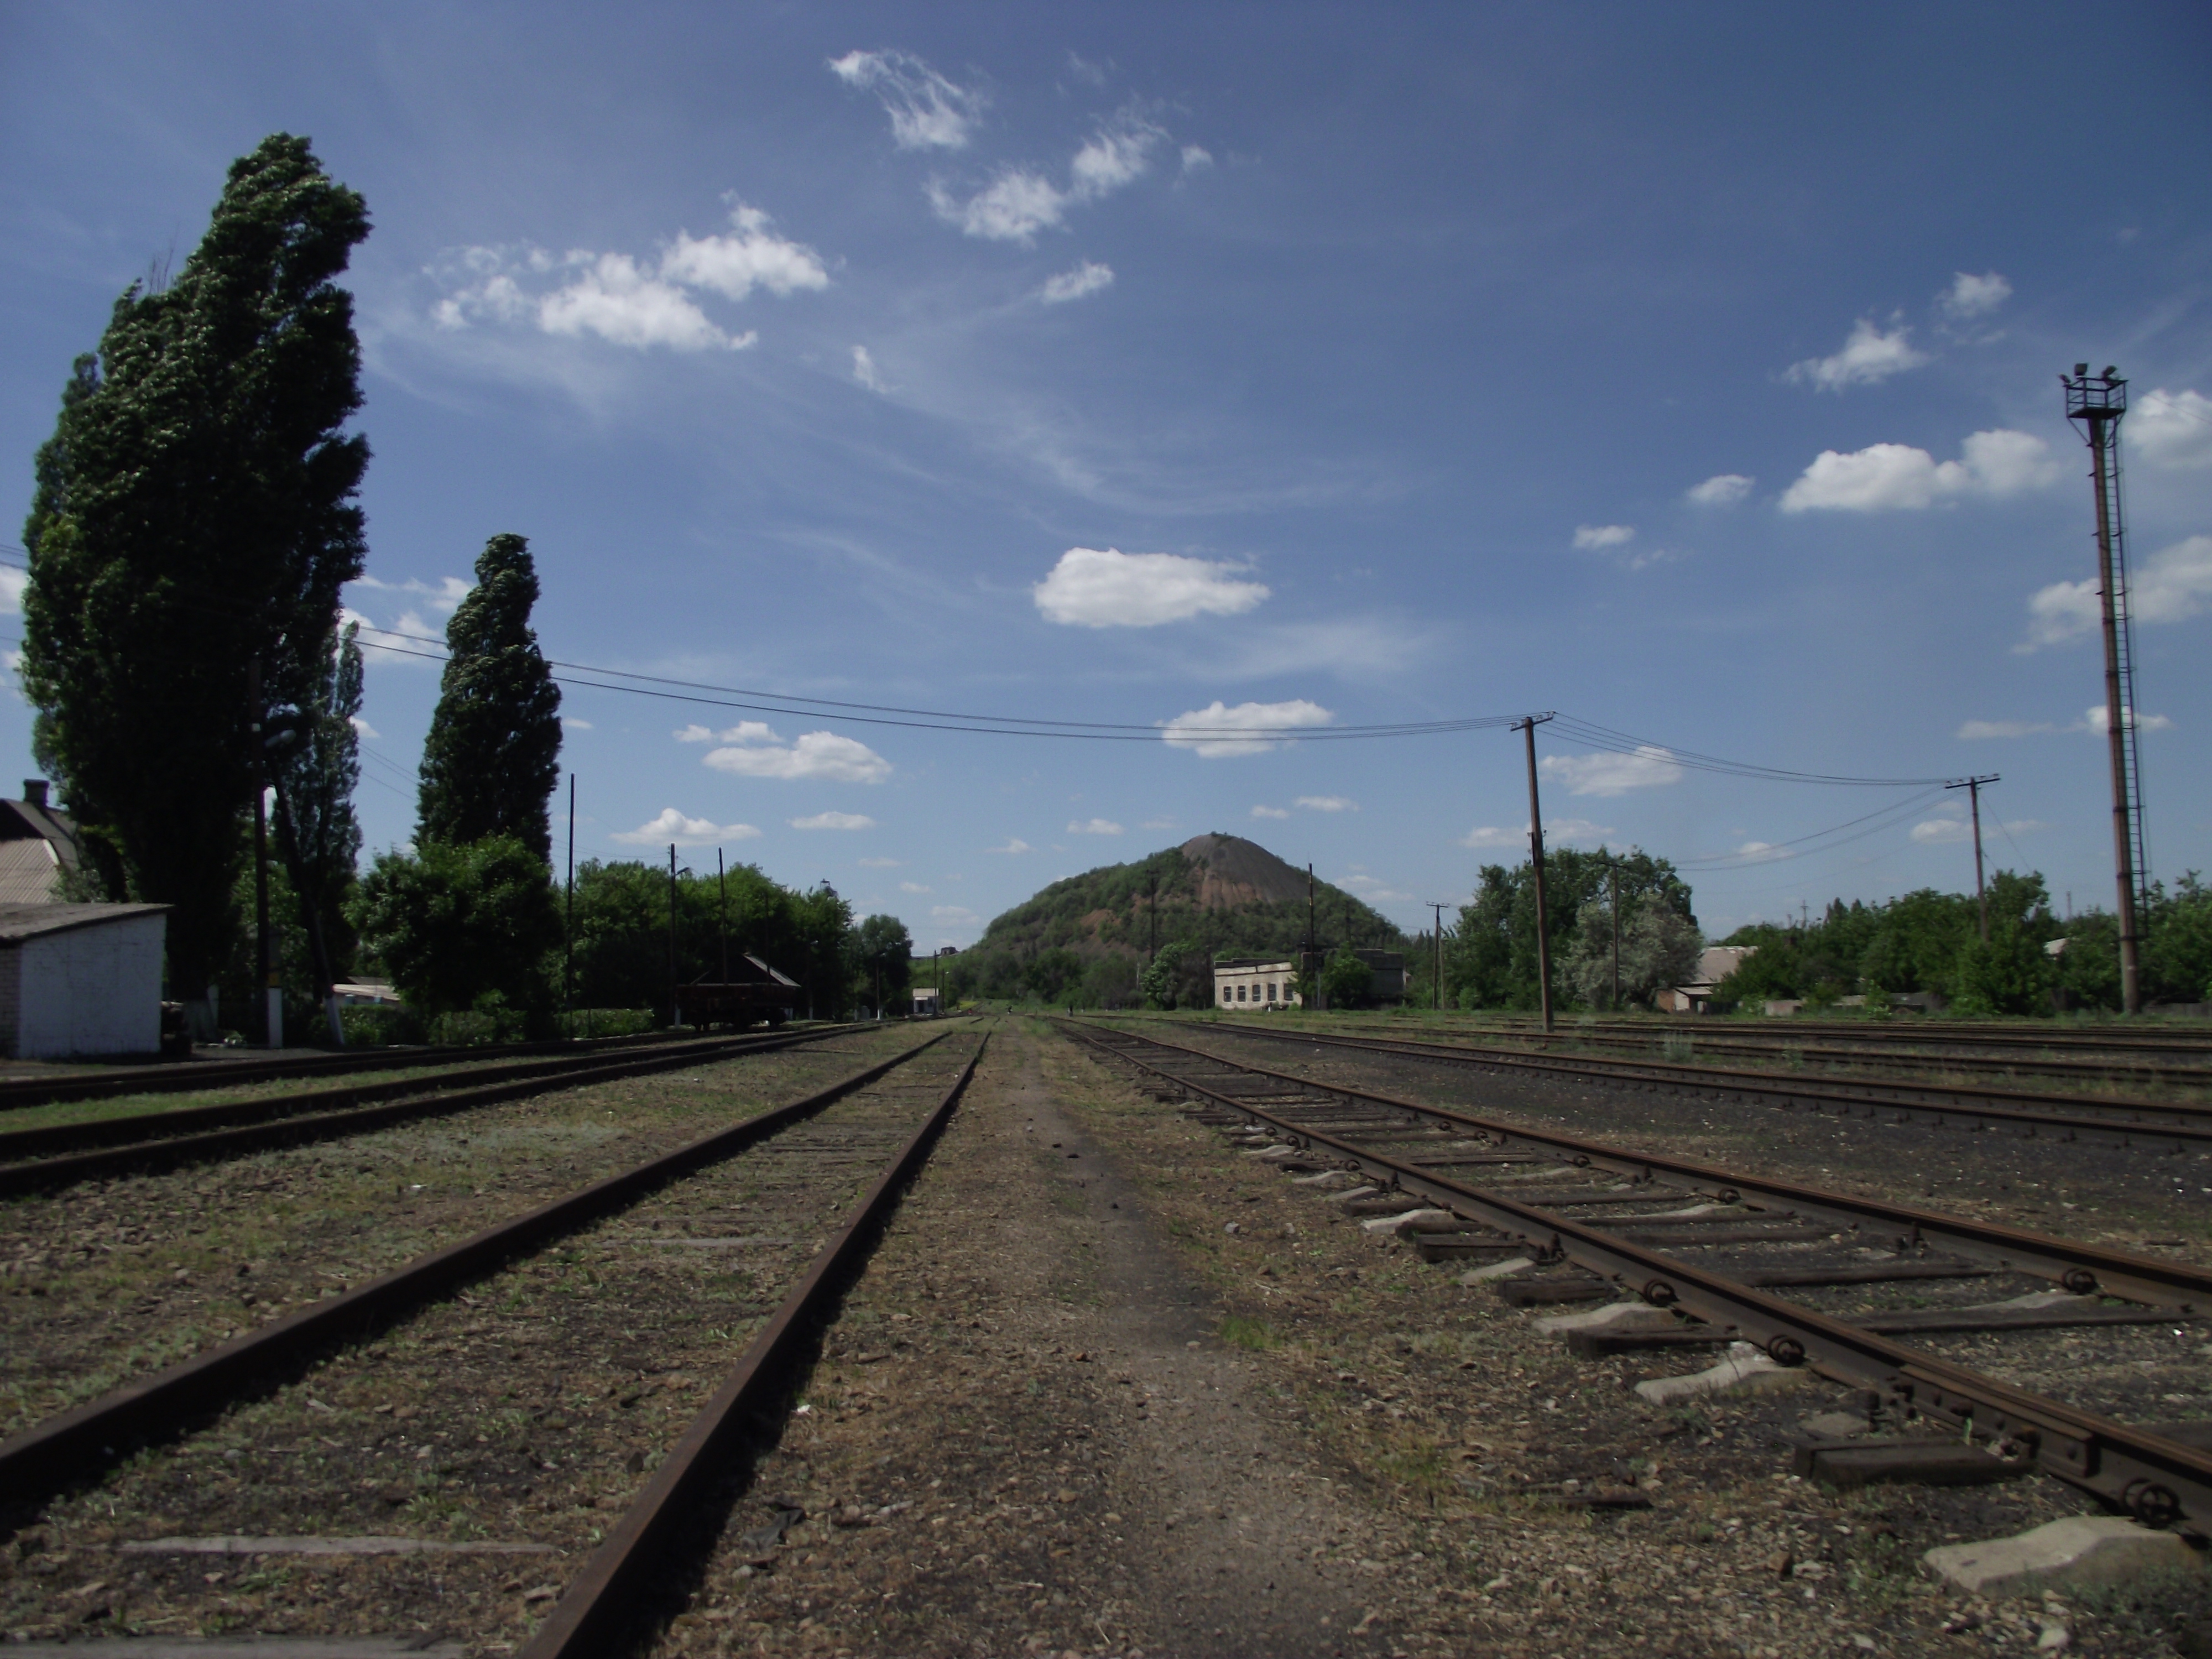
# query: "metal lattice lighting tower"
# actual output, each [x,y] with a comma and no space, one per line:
[2095,405]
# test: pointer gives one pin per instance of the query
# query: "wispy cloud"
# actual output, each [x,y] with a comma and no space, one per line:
[1722,489]
[1216,732]
[2173,585]
[1868,357]
[624,300]
[1105,587]
[683,830]
[1898,476]
[743,731]
[2093,721]
[879,864]
[1971,296]
[913,887]
[1588,536]
[1327,803]
[2172,428]
[927,110]
[818,755]
[1270,812]
[1014,844]
[835,821]
[864,370]
[1578,832]
[1020,201]
[1094,827]
[1089,277]
[1649,768]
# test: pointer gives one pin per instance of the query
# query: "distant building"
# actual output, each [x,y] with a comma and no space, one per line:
[1696,996]
[38,847]
[1250,982]
[925,1001]
[81,979]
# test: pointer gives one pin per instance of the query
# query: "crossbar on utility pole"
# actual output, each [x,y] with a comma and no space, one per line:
[1974,789]
[1536,863]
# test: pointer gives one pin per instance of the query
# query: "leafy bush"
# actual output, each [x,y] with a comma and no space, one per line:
[381,1028]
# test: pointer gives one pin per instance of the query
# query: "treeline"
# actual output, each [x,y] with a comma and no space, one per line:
[2034,962]
[194,520]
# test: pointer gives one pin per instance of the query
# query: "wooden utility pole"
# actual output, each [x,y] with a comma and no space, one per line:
[675,1011]
[269,1017]
[1437,941]
[1974,789]
[568,925]
[1152,950]
[722,914]
[1613,872]
[1537,864]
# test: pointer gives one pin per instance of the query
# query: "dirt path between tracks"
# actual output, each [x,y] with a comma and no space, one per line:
[1070,1410]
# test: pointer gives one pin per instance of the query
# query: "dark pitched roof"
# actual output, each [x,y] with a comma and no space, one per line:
[19,922]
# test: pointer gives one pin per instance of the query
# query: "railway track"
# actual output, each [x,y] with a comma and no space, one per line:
[1989,1036]
[1773,1275]
[2158,1125]
[50,1155]
[2174,1067]
[204,1076]
[508,1440]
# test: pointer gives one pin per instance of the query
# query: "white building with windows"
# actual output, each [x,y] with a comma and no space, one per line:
[1256,983]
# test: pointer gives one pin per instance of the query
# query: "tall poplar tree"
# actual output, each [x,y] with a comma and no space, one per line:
[493,751]
[195,509]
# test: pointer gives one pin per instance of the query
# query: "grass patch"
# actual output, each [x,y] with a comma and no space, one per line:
[1255,1334]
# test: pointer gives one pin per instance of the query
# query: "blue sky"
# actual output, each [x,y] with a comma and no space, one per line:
[1688,370]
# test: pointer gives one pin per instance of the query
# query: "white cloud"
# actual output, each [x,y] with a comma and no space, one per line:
[1250,728]
[927,110]
[1014,844]
[1095,827]
[1269,812]
[2095,720]
[1938,832]
[674,826]
[2173,585]
[755,257]
[1086,278]
[835,821]
[2172,428]
[617,302]
[571,723]
[1760,852]
[1019,201]
[443,599]
[1722,489]
[1195,156]
[1373,892]
[879,864]
[823,755]
[953,915]
[743,731]
[1976,730]
[1649,768]
[1327,803]
[1974,297]
[1579,832]
[1899,476]
[12,584]
[1095,587]
[628,301]
[1869,357]
[363,727]
[864,370]
[1603,535]
[912,887]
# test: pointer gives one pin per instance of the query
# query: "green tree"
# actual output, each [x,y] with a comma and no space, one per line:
[315,786]
[469,927]
[1491,954]
[1659,947]
[883,957]
[493,751]
[195,511]
[1344,979]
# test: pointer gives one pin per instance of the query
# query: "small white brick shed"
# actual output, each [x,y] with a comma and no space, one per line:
[81,979]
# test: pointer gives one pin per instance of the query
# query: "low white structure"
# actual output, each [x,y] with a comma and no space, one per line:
[925,1005]
[1717,963]
[1249,982]
[81,979]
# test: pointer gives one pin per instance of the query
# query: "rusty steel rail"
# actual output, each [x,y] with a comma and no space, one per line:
[2158,1481]
[601,1604]
[86,1151]
[1947,1033]
[64,1449]
[2162,1125]
[196,1076]
[2080,1268]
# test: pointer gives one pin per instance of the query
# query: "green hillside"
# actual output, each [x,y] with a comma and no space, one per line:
[1218,896]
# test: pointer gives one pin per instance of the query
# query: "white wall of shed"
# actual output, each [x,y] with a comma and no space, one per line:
[92,990]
